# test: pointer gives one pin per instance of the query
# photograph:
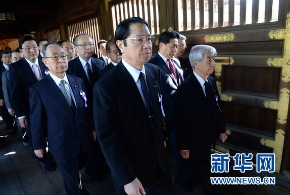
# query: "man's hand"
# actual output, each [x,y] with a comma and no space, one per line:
[39,153]
[23,122]
[184,154]
[11,111]
[93,136]
[134,188]
[223,137]
[1,102]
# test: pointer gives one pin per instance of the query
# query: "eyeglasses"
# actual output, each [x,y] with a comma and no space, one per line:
[114,52]
[85,45]
[30,48]
[141,39]
[56,58]
[182,47]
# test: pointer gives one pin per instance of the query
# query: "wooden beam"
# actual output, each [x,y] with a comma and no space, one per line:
[28,9]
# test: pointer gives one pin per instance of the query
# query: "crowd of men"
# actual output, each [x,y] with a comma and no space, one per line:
[118,112]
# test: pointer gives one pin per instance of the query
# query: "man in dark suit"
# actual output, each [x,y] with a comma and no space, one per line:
[58,113]
[168,43]
[15,56]
[40,43]
[84,66]
[8,119]
[182,65]
[102,50]
[128,116]
[113,55]
[199,120]
[88,68]
[23,74]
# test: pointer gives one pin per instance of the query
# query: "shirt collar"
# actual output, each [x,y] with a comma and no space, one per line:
[85,62]
[57,79]
[133,71]
[164,58]
[115,64]
[6,66]
[31,63]
[200,80]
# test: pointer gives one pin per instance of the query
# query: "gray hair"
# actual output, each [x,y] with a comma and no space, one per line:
[182,37]
[197,52]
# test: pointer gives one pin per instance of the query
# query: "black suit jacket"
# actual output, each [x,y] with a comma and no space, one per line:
[197,122]
[106,69]
[168,90]
[2,69]
[131,146]
[158,61]
[21,78]
[66,131]
[185,66]
[75,68]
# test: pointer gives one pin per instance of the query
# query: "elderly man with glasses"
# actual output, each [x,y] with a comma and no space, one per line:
[88,68]
[58,113]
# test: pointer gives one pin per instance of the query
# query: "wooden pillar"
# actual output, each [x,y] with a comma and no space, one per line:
[63,31]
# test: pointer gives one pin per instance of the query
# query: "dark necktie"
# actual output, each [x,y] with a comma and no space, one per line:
[207,89]
[172,68]
[146,94]
[90,73]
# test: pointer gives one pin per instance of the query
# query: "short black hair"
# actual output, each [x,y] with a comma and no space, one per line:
[14,51]
[46,45]
[100,42]
[108,45]
[40,40]
[25,38]
[4,52]
[66,41]
[167,35]
[123,29]
[75,40]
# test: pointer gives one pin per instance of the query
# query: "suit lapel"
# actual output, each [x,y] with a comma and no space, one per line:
[131,90]
[75,89]
[80,72]
[165,68]
[27,71]
[56,94]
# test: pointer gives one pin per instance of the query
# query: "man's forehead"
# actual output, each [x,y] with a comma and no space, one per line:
[30,42]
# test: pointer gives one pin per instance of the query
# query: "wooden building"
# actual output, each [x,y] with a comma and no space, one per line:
[252,38]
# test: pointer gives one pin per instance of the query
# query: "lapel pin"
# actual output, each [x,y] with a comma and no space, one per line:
[154,86]
[75,86]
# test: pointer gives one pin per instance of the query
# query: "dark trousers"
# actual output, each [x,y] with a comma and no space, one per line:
[195,171]
[161,186]
[96,164]
[175,151]
[70,171]
[48,158]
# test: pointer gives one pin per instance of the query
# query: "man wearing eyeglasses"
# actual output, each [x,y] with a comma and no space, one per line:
[182,65]
[88,68]
[113,55]
[23,74]
[58,112]
[128,115]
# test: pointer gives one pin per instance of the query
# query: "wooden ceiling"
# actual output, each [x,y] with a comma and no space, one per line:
[29,15]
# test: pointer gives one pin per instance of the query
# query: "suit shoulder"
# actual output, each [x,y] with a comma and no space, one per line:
[152,66]
[40,84]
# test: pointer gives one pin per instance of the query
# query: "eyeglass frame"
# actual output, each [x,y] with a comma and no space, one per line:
[29,48]
[86,44]
[56,58]
[135,38]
